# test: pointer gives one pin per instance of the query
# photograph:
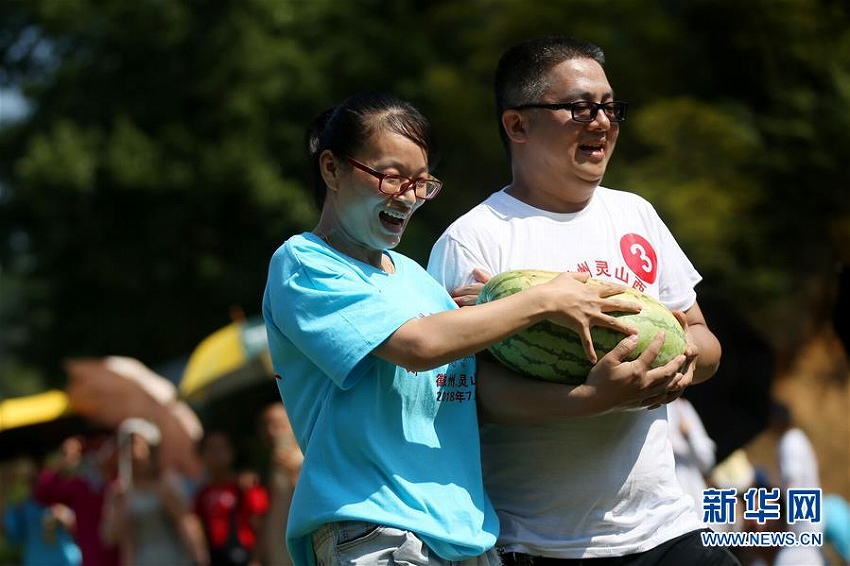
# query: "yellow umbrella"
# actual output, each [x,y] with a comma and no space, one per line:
[33,409]
[227,360]
[37,424]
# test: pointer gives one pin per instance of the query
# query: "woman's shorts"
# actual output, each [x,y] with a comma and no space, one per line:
[359,543]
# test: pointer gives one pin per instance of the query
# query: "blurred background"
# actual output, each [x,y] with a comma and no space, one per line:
[151,161]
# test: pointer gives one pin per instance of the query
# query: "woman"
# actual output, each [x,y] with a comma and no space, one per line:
[374,359]
[146,511]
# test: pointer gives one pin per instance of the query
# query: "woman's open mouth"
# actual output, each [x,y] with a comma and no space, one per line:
[392,220]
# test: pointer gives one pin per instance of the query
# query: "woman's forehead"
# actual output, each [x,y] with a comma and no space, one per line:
[391,149]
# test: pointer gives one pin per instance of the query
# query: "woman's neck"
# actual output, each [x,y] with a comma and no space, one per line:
[340,241]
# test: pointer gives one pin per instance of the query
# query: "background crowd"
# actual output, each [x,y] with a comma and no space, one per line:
[107,500]
[72,509]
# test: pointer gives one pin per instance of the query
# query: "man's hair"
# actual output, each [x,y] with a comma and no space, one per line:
[522,70]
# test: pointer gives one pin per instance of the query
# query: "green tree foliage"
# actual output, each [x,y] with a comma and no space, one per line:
[774,175]
[162,160]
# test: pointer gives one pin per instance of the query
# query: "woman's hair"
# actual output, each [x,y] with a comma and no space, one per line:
[345,128]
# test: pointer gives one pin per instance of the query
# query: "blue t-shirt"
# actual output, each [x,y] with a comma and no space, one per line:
[381,443]
[25,526]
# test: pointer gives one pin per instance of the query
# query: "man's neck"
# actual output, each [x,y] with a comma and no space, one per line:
[544,196]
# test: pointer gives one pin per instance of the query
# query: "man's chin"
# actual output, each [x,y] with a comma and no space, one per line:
[589,183]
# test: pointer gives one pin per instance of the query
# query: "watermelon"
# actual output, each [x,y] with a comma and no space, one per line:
[553,352]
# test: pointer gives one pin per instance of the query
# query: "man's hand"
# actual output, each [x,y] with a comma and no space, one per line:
[686,371]
[691,351]
[621,384]
[468,294]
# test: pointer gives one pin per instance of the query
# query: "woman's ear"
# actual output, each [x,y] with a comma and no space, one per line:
[329,169]
[515,125]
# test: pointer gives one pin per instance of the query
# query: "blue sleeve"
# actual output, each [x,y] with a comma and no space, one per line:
[330,312]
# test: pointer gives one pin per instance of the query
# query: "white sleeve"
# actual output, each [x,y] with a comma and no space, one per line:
[451,263]
[678,276]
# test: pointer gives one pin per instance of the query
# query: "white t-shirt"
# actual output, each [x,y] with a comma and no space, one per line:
[798,468]
[798,463]
[583,487]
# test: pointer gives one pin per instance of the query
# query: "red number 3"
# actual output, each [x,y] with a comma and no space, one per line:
[640,256]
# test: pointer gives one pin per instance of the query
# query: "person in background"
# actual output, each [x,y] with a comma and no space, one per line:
[796,459]
[374,360]
[78,480]
[231,507]
[592,481]
[44,533]
[836,528]
[285,459]
[693,449]
[146,511]
[797,463]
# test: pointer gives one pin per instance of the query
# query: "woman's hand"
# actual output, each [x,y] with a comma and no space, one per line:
[580,306]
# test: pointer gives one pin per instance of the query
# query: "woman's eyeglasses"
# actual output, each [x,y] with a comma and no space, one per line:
[397,185]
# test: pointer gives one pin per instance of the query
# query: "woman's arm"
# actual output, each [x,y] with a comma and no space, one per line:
[430,341]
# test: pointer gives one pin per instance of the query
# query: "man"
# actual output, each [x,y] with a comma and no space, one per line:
[596,481]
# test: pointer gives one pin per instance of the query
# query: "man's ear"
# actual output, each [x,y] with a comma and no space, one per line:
[515,125]
[329,169]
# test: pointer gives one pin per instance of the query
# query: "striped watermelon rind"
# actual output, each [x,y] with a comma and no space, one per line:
[552,352]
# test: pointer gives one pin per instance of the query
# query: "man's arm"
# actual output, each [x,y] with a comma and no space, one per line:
[613,384]
[707,346]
